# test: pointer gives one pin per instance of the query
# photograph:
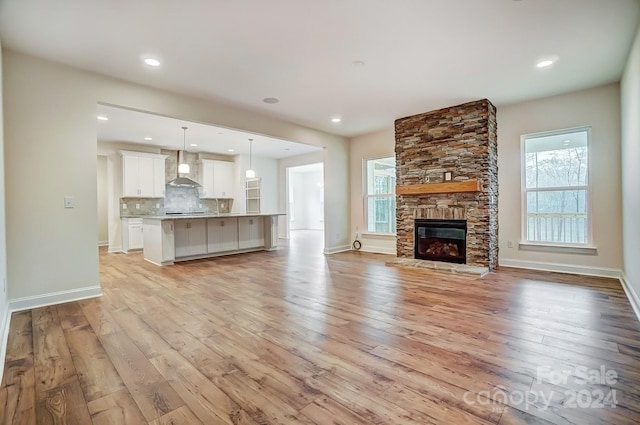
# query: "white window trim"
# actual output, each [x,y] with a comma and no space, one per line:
[366,196]
[568,248]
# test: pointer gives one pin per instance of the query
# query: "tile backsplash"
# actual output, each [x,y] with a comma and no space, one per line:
[177,199]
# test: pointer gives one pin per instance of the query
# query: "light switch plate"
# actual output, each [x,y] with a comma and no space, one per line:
[69,202]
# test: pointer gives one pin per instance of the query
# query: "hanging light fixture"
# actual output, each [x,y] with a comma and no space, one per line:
[183,167]
[250,172]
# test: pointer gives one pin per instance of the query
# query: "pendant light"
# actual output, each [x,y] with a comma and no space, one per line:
[183,167]
[250,172]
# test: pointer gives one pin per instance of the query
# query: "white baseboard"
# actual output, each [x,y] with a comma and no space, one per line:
[5,321]
[561,268]
[103,243]
[379,249]
[36,301]
[336,249]
[632,295]
[113,249]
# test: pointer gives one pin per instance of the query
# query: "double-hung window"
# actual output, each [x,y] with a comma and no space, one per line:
[380,195]
[556,187]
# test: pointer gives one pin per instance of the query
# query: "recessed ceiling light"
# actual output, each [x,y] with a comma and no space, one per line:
[271,100]
[566,142]
[545,63]
[148,138]
[336,119]
[231,150]
[103,118]
[193,144]
[152,62]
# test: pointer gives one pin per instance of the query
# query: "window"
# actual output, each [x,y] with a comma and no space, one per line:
[556,187]
[380,195]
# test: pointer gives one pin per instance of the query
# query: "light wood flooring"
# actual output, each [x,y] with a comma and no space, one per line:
[293,336]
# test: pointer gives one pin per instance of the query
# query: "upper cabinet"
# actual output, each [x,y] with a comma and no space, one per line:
[142,175]
[216,178]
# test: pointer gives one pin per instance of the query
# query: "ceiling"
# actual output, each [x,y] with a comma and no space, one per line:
[125,125]
[366,61]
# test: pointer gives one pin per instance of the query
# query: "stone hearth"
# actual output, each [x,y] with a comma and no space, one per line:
[461,140]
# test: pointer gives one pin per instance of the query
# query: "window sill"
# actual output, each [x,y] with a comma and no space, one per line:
[559,248]
[388,236]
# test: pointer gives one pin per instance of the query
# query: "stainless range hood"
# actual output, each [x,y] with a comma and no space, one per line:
[182,181]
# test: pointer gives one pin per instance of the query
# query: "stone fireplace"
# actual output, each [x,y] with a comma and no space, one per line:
[447,169]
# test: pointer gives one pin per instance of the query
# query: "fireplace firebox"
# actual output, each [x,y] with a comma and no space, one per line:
[441,240]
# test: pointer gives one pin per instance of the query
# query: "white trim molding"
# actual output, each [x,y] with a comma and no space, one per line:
[379,249]
[36,301]
[336,249]
[632,295]
[561,268]
[5,321]
[558,248]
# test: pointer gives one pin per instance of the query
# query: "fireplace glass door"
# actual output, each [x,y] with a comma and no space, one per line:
[441,240]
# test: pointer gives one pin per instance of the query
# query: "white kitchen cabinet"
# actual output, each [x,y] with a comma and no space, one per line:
[159,245]
[131,234]
[190,237]
[222,234]
[250,232]
[216,178]
[143,175]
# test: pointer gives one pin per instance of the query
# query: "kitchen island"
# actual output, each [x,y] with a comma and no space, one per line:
[171,238]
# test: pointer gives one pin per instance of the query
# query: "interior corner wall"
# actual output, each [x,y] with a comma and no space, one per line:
[373,145]
[630,152]
[50,141]
[4,307]
[599,108]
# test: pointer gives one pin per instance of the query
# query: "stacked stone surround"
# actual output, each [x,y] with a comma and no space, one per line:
[460,139]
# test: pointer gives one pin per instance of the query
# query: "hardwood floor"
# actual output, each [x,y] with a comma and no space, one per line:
[293,336]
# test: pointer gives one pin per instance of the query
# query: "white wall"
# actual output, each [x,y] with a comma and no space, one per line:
[599,108]
[630,91]
[4,308]
[103,228]
[50,141]
[368,146]
[283,184]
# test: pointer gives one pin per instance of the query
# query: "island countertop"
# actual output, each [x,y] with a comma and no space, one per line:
[205,215]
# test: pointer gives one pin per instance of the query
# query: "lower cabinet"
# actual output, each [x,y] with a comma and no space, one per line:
[159,245]
[131,234]
[250,232]
[190,237]
[222,234]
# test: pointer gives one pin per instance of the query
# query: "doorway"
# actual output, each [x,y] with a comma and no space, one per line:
[305,201]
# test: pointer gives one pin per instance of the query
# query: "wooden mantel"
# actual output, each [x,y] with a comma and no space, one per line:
[447,187]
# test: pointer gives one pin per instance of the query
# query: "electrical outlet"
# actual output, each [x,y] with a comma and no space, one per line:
[69,202]
[509,244]
[137,206]
[124,206]
[157,205]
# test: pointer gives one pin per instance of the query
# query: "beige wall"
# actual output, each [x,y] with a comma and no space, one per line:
[368,146]
[4,310]
[599,108]
[50,141]
[630,91]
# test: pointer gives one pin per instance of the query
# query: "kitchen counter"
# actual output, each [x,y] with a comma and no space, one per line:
[206,215]
[181,237]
